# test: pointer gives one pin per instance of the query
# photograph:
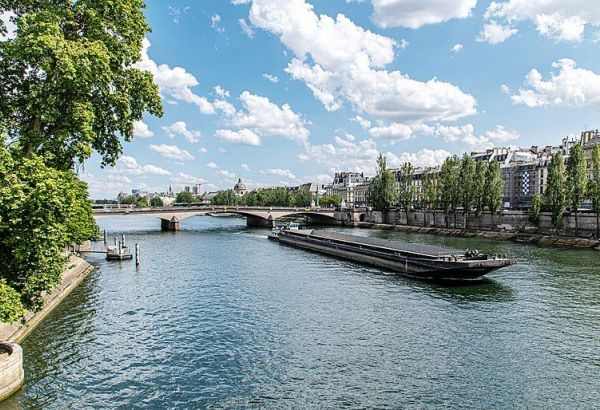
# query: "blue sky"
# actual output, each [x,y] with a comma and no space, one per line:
[281,92]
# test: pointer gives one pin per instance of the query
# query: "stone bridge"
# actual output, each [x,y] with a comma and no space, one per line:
[255,216]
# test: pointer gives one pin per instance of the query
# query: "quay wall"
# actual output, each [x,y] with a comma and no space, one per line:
[509,225]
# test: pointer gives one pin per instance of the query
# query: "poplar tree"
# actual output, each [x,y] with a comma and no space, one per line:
[479,188]
[382,193]
[431,193]
[467,186]
[406,188]
[449,186]
[493,188]
[555,196]
[594,187]
[577,179]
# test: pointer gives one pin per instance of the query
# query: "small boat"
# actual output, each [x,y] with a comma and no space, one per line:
[283,226]
[118,253]
[415,260]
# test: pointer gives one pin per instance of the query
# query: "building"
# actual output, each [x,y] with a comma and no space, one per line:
[351,187]
[239,188]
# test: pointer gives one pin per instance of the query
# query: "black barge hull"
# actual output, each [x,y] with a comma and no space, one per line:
[439,266]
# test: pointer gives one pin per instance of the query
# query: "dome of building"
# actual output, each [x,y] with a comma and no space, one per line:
[240,188]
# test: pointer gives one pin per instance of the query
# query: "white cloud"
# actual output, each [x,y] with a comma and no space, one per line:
[557,19]
[272,78]
[457,48]
[505,89]
[246,28]
[141,130]
[572,86]
[240,137]
[171,152]
[226,174]
[344,155]
[215,23]
[128,165]
[417,13]
[180,128]
[262,118]
[245,167]
[175,83]
[394,131]
[202,150]
[340,61]
[211,165]
[364,123]
[423,158]
[183,178]
[278,172]
[495,33]
[221,92]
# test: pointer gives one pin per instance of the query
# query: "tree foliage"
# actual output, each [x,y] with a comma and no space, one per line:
[281,197]
[406,188]
[467,186]
[431,193]
[594,186]
[450,186]
[156,201]
[68,86]
[493,188]
[577,179]
[479,187]
[555,196]
[330,200]
[185,197]
[382,193]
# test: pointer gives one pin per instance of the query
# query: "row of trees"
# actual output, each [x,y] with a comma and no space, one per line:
[273,197]
[569,185]
[68,88]
[461,183]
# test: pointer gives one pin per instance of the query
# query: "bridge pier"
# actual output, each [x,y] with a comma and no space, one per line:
[257,221]
[169,224]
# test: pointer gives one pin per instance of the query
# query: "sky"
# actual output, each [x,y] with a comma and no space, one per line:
[282,92]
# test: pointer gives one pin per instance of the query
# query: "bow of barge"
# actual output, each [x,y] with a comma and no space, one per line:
[415,260]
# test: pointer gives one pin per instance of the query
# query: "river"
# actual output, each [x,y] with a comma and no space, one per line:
[218,316]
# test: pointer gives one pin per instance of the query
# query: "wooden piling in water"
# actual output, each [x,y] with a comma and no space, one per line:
[137,254]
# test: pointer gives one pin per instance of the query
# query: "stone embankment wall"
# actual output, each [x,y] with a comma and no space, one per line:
[509,225]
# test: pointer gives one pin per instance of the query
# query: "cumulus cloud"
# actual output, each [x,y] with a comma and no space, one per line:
[245,167]
[180,128]
[246,28]
[174,83]
[457,48]
[393,131]
[364,123]
[278,172]
[342,62]
[557,19]
[128,165]
[417,13]
[423,159]
[171,152]
[211,165]
[215,23]
[495,33]
[141,130]
[571,86]
[226,174]
[183,178]
[240,137]
[272,78]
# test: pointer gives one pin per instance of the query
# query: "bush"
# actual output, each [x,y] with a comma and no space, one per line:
[11,307]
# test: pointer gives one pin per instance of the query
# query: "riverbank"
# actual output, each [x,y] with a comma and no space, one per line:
[546,240]
[77,270]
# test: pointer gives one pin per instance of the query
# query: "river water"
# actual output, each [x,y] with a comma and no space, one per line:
[218,316]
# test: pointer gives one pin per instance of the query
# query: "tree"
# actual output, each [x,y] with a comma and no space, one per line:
[184,197]
[156,201]
[479,188]
[129,200]
[382,193]
[493,188]
[42,211]
[467,186]
[142,202]
[594,186]
[68,81]
[577,179]
[330,200]
[555,196]
[303,198]
[227,197]
[406,188]
[431,193]
[536,209]
[449,186]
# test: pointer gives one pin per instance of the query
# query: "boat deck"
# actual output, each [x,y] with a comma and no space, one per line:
[417,248]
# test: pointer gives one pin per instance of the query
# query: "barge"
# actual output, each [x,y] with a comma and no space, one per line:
[415,260]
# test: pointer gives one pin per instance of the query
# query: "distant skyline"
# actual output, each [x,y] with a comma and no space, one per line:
[280,92]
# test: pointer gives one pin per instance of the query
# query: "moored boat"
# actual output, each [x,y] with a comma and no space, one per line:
[414,260]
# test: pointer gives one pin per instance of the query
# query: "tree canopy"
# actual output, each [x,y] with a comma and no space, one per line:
[383,193]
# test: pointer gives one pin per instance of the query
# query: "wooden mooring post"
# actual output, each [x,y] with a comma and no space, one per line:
[137,255]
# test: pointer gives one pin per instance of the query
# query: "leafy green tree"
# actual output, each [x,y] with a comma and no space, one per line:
[467,186]
[156,202]
[331,200]
[142,202]
[450,186]
[227,198]
[382,193]
[129,200]
[536,209]
[577,179]
[479,189]
[68,85]
[303,198]
[406,188]
[184,197]
[594,186]
[11,307]
[42,211]
[431,193]
[493,188]
[555,196]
